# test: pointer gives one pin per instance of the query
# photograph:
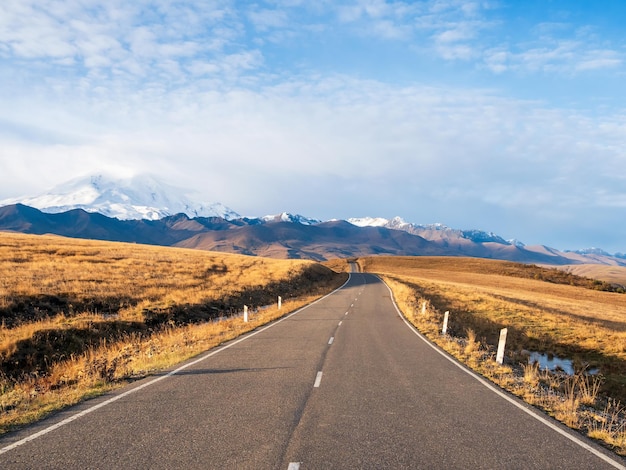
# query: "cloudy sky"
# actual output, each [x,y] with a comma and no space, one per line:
[500,115]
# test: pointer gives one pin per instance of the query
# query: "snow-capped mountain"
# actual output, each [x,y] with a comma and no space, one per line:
[397,223]
[480,236]
[139,197]
[589,251]
[516,242]
[293,218]
[370,221]
[430,231]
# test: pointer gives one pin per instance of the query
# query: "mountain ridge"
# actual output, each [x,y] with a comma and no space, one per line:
[274,238]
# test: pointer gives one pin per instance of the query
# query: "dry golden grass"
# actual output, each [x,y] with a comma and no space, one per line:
[609,426]
[576,318]
[80,317]
[615,274]
[86,270]
[339,265]
[483,296]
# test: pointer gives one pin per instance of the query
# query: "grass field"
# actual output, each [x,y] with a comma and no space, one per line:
[612,274]
[79,317]
[545,310]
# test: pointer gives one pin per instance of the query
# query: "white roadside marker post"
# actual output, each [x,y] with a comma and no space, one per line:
[245,313]
[445,323]
[280,302]
[501,345]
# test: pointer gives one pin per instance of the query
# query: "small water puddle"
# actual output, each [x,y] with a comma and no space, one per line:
[552,363]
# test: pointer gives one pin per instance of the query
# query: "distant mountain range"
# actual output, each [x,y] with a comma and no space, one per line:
[143,210]
[278,238]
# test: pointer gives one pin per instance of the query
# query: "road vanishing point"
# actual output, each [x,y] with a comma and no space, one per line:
[343,383]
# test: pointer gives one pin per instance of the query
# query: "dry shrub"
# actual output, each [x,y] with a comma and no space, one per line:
[566,409]
[609,426]
[531,374]
[588,388]
[472,346]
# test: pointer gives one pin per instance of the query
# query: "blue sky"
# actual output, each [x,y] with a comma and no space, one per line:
[499,115]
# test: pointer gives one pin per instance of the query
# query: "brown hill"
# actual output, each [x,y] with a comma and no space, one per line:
[337,239]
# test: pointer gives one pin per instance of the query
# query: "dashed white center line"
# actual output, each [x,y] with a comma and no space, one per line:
[351,305]
[346,313]
[294,466]
[340,323]
[318,379]
[330,341]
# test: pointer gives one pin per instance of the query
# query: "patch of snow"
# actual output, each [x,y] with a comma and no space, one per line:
[479,236]
[287,217]
[590,251]
[368,221]
[516,242]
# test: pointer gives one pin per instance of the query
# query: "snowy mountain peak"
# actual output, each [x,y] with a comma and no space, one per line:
[139,197]
[430,231]
[590,251]
[516,242]
[287,217]
[397,223]
[480,236]
[368,221]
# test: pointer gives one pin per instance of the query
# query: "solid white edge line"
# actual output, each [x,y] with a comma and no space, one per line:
[158,379]
[490,386]
[318,379]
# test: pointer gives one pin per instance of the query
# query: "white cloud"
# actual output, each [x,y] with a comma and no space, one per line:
[116,38]
[497,60]
[612,200]
[417,140]
[465,31]
[388,20]
[265,19]
[549,29]
[226,67]
[453,35]
[456,51]
[31,33]
[387,29]
[561,57]
[138,39]
[189,90]
[547,57]
[599,59]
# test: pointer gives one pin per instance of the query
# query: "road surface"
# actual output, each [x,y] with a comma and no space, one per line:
[344,383]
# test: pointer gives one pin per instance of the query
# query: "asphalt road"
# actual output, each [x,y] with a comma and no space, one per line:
[344,383]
